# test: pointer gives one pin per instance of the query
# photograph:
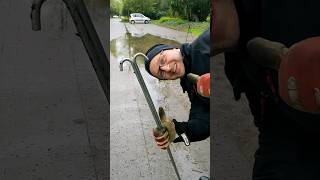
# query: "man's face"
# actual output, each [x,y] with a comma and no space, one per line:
[167,65]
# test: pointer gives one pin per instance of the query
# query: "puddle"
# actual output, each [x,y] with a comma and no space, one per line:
[130,44]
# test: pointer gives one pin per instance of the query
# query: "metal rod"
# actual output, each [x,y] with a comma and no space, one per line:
[149,100]
[88,35]
[36,14]
[144,88]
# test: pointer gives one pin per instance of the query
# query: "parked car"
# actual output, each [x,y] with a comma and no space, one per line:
[138,17]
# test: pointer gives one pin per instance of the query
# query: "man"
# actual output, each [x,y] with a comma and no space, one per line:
[287,147]
[168,63]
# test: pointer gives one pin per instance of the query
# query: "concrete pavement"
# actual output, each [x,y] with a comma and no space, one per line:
[234,134]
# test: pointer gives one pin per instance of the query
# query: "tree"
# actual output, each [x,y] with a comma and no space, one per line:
[186,9]
[201,9]
[115,7]
[191,9]
[146,7]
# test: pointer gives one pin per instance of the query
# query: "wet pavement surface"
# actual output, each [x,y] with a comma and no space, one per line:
[234,134]
[128,45]
[133,151]
[53,113]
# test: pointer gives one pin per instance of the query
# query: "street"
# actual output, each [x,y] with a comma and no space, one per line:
[234,134]
[133,151]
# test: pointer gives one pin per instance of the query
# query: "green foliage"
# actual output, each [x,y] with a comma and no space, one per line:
[115,7]
[171,20]
[208,19]
[196,28]
[192,10]
[159,14]
[154,9]
[124,19]
[177,8]
[196,31]
[145,7]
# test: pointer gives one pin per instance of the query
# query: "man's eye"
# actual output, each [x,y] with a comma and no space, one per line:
[162,62]
[162,74]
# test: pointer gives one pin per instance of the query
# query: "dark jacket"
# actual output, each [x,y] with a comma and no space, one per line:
[285,21]
[196,58]
[286,144]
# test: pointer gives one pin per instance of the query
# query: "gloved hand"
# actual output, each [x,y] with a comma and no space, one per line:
[298,70]
[202,82]
[166,134]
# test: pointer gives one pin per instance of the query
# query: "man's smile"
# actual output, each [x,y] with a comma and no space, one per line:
[167,65]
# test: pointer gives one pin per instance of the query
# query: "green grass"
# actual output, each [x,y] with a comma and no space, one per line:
[170,20]
[124,19]
[196,28]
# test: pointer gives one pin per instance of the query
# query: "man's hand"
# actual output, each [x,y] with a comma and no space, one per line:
[203,85]
[298,70]
[166,134]
[202,82]
[267,53]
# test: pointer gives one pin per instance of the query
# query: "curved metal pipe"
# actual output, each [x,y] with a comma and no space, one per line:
[36,14]
[146,93]
[139,54]
[88,35]
[149,100]
[122,61]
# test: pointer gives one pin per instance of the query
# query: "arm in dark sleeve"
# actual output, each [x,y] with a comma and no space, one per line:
[197,58]
[202,44]
[198,126]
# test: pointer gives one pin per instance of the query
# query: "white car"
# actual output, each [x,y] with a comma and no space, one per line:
[138,17]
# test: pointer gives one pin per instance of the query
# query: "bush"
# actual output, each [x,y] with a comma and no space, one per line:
[159,14]
[155,15]
[165,19]
[124,19]
[170,20]
[208,18]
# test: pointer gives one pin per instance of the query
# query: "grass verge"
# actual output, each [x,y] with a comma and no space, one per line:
[196,28]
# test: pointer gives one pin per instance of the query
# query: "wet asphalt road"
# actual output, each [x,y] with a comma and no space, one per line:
[234,134]
[133,151]
[53,113]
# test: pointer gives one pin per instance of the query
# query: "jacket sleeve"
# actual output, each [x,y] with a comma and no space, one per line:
[197,128]
[197,58]
[202,43]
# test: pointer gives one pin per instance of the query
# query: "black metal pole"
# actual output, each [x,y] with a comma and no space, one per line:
[88,35]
